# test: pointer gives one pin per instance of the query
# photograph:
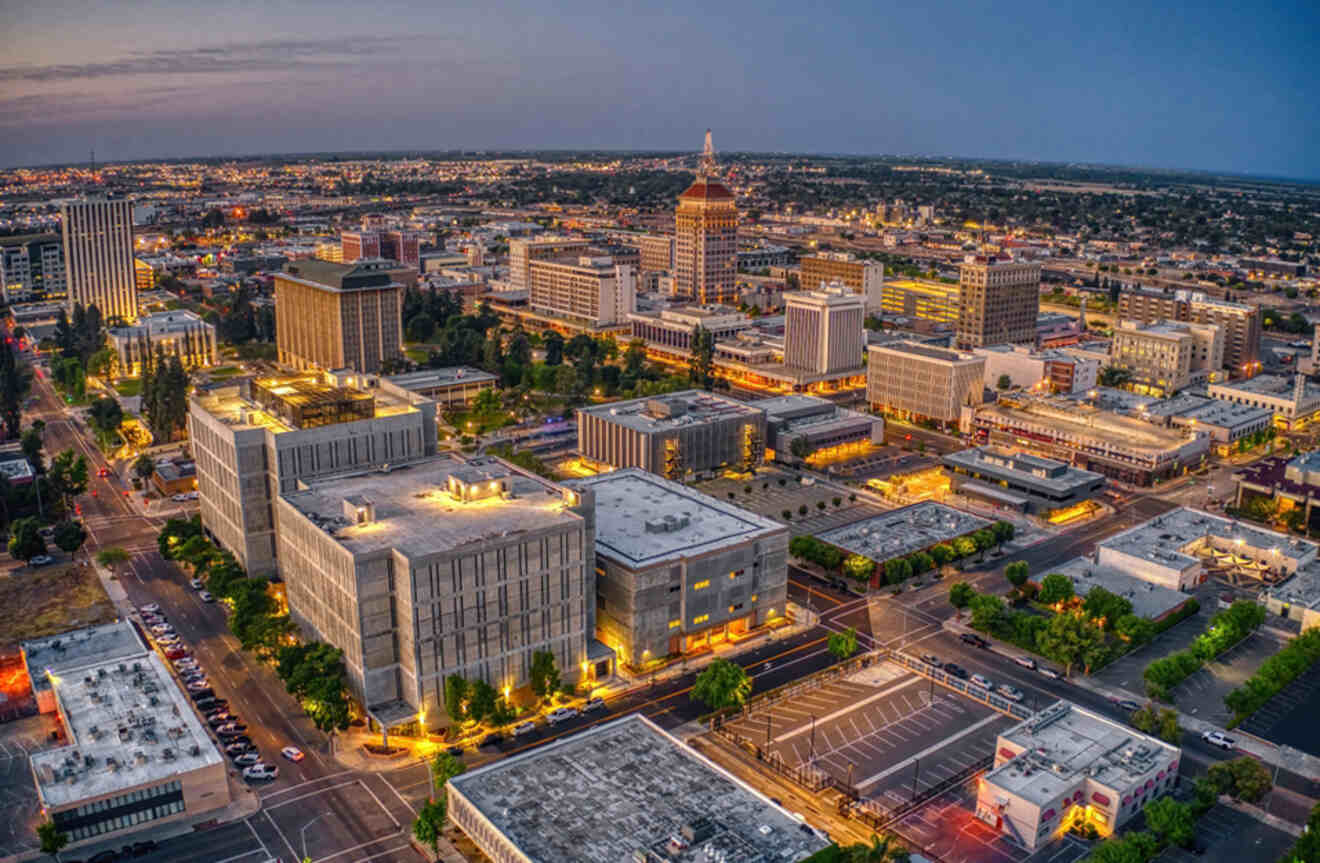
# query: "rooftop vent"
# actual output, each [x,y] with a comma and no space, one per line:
[668,523]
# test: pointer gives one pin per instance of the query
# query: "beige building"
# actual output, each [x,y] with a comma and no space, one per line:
[338,316]
[178,333]
[926,301]
[590,289]
[862,277]
[452,566]
[657,253]
[1166,357]
[522,252]
[916,381]
[98,256]
[706,238]
[999,301]
[254,439]
[823,329]
[1241,324]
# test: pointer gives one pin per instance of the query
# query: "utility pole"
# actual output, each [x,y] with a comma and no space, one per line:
[767,729]
[916,771]
[813,738]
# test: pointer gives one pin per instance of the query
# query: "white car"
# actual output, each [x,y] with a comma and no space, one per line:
[293,753]
[261,770]
[1012,693]
[179,498]
[162,629]
[523,728]
[983,682]
[246,759]
[1215,738]
[1025,662]
[186,664]
[561,714]
[149,608]
[195,583]
[192,495]
[41,560]
[1050,673]
[205,596]
[167,639]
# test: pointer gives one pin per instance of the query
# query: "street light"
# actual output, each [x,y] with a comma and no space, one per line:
[303,832]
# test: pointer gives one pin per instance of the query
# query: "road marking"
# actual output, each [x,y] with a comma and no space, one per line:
[871,780]
[843,711]
[397,824]
[382,854]
[308,794]
[355,848]
[264,849]
[261,850]
[287,843]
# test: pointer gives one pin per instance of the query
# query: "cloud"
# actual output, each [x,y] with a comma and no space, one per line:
[277,54]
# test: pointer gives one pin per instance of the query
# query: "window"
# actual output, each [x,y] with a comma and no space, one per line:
[674,624]
[701,618]
[701,585]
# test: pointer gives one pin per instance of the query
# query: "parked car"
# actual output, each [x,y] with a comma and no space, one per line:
[149,608]
[1012,693]
[293,753]
[1050,673]
[41,560]
[1215,738]
[238,748]
[205,596]
[199,694]
[524,728]
[561,714]
[186,662]
[982,681]
[229,739]
[593,705]
[144,847]
[104,857]
[955,670]
[932,660]
[975,640]
[162,628]
[215,720]
[1025,662]
[1129,705]
[261,770]
[177,652]
[212,704]
[244,759]
[179,498]
[195,583]
[231,727]
[492,739]
[192,676]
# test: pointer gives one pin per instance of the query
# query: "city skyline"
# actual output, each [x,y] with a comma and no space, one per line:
[1184,88]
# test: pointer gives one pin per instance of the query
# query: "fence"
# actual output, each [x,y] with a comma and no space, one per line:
[1006,706]
[879,816]
[811,778]
[771,697]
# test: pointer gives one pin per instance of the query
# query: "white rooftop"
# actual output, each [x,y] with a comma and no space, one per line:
[903,531]
[661,413]
[1149,600]
[643,519]
[1174,537]
[128,724]
[59,653]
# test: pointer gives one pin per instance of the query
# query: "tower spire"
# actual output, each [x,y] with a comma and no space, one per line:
[707,158]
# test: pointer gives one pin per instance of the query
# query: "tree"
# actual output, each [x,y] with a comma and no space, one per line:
[31,444]
[104,416]
[858,567]
[112,557]
[722,684]
[481,700]
[942,554]
[883,849]
[1174,822]
[69,536]
[15,382]
[52,840]
[843,644]
[634,358]
[701,360]
[25,540]
[566,379]
[486,401]
[143,467]
[897,570]
[554,348]
[1017,573]
[430,823]
[1004,382]
[456,692]
[1071,639]
[988,614]
[964,547]
[421,327]
[1242,778]
[1054,588]
[1105,607]
[960,595]
[544,674]
[799,447]
[1003,531]
[68,475]
[445,767]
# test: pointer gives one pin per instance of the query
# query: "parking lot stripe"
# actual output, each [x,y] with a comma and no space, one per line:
[264,849]
[871,780]
[843,711]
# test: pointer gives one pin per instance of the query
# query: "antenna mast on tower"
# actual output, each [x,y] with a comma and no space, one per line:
[707,168]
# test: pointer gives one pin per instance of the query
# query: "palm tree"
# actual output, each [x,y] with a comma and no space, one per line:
[883,849]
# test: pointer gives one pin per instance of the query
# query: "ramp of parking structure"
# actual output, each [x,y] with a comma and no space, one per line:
[965,687]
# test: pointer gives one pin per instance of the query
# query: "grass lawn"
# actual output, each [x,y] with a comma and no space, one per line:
[47,601]
[417,355]
[223,372]
[484,422]
[129,387]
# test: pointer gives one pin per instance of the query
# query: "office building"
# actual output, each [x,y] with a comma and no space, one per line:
[936,302]
[357,245]
[999,301]
[764,257]
[916,381]
[1067,767]
[672,328]
[98,256]
[657,253]
[678,570]
[136,754]
[523,251]
[178,333]
[825,429]
[1166,356]
[590,289]
[823,330]
[453,388]
[1241,323]
[447,566]
[338,316]
[862,277]
[402,246]
[1048,371]
[706,237]
[1227,423]
[675,435]
[623,790]
[1120,447]
[1294,400]
[31,267]
[1024,482]
[255,439]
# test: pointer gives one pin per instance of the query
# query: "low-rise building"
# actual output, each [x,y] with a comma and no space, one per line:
[936,302]
[676,436]
[1227,423]
[450,388]
[1150,601]
[623,790]
[678,570]
[1294,401]
[137,754]
[824,428]
[903,531]
[448,566]
[1291,483]
[1025,482]
[1165,357]
[916,381]
[178,333]
[177,476]
[1067,767]
[1052,371]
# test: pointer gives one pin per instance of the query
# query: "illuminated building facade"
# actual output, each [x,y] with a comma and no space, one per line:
[862,277]
[31,267]
[339,316]
[999,301]
[706,237]
[926,301]
[1241,323]
[98,256]
[916,381]
[178,333]
[823,330]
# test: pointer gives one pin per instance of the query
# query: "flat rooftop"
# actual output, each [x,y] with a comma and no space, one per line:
[128,723]
[431,378]
[416,514]
[643,519]
[803,413]
[661,413]
[1082,421]
[59,653]
[903,531]
[163,324]
[1214,412]
[1063,741]
[624,787]
[929,288]
[1279,386]
[1043,472]
[1149,600]
[232,402]
[926,351]
[1173,537]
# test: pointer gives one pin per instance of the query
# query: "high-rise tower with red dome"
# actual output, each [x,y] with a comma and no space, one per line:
[706,237]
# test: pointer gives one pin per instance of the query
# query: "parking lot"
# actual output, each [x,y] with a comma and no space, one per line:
[947,829]
[767,497]
[883,730]
[18,791]
[1289,717]
[1227,834]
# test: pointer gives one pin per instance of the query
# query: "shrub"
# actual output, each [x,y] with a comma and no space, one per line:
[787,514]
[1274,674]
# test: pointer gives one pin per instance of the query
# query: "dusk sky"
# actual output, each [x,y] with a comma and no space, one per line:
[1215,85]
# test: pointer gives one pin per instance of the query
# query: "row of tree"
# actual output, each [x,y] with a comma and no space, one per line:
[1168,822]
[164,395]
[1225,629]
[1274,674]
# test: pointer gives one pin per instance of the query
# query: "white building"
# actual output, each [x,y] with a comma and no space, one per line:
[823,329]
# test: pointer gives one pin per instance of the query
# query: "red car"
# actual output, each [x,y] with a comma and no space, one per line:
[103,471]
[176,653]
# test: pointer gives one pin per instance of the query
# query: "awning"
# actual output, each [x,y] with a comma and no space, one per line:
[393,713]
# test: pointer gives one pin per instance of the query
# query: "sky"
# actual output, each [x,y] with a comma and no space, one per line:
[1219,85]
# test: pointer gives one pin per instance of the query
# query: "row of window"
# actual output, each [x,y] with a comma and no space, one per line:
[124,799]
[120,822]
